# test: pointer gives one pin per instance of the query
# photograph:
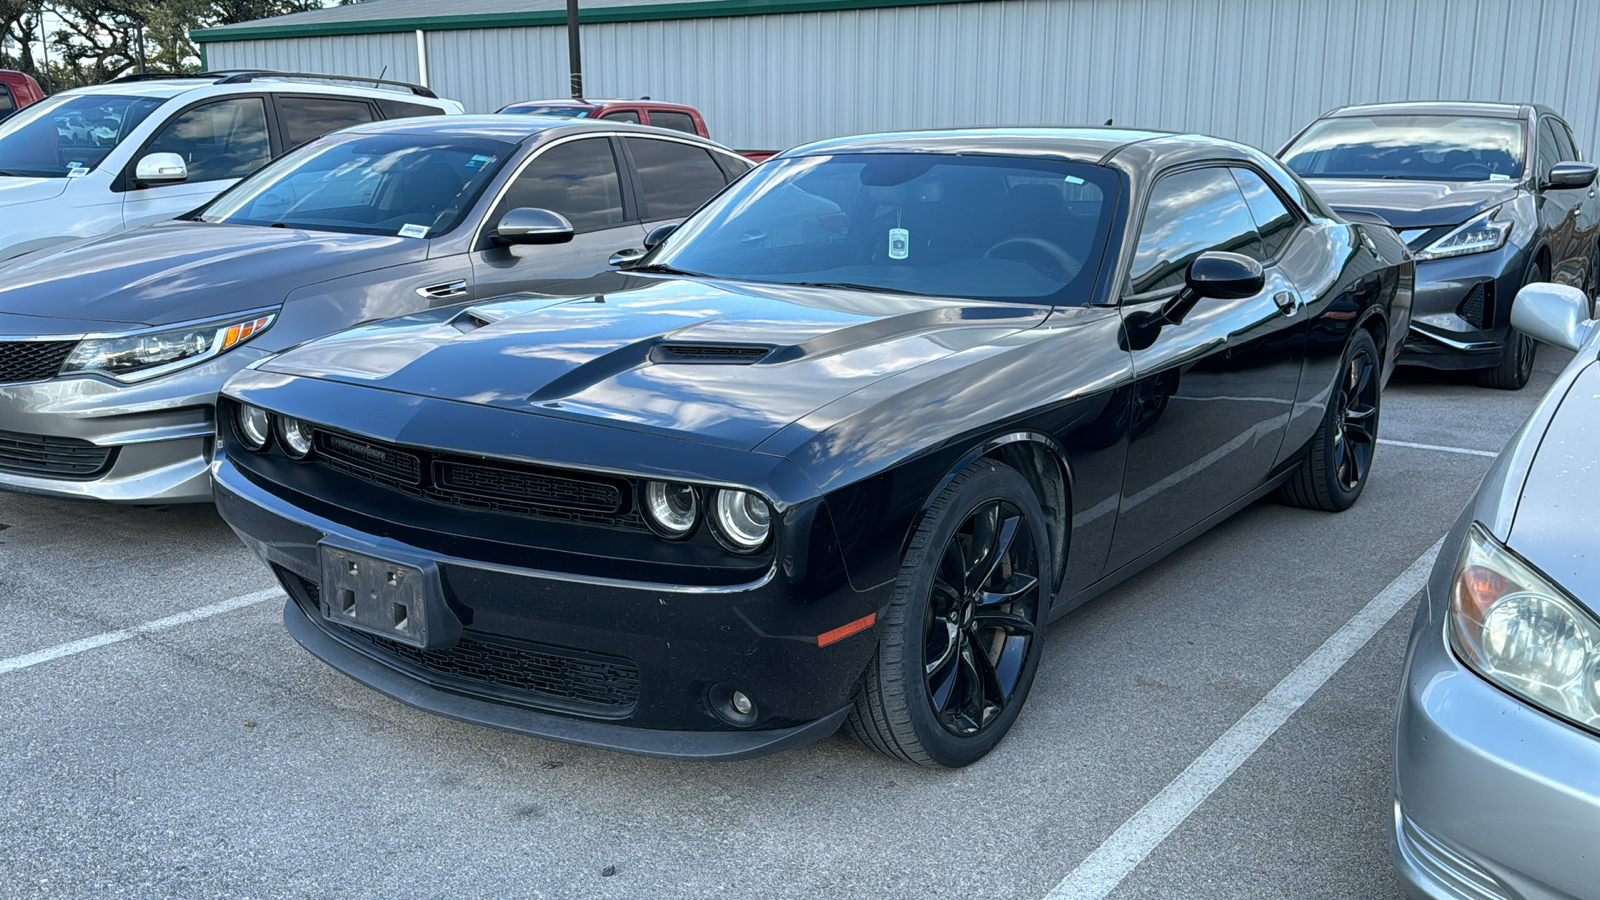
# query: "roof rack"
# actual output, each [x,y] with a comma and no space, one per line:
[244,76]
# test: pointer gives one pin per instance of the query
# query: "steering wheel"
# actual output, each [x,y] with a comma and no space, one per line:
[1049,258]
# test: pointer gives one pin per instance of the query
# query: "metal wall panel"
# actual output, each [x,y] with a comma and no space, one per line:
[1252,70]
[361,54]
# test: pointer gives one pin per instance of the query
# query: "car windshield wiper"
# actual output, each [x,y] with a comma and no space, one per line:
[855,286]
[661,269]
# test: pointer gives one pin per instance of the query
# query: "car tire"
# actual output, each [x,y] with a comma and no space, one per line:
[1339,457]
[1516,360]
[955,661]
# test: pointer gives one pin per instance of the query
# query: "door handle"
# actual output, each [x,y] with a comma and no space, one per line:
[1287,302]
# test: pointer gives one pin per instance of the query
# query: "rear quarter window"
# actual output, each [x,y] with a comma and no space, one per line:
[400,109]
[677,121]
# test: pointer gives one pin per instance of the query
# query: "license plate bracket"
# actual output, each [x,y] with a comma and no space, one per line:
[381,592]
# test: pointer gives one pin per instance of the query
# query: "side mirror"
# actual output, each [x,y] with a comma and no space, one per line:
[529,225]
[1553,313]
[1570,175]
[626,258]
[161,168]
[1215,273]
[659,234]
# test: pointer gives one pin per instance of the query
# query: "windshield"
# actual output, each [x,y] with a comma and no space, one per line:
[69,133]
[980,227]
[405,184]
[569,112]
[1415,148]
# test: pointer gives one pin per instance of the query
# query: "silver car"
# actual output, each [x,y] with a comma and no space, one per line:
[1497,757]
[112,349]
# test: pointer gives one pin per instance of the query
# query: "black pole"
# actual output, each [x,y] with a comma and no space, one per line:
[572,50]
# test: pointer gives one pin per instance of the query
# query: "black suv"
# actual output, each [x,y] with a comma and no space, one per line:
[1488,197]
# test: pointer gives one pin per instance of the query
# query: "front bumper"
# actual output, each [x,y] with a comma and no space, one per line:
[1461,310]
[652,661]
[155,436]
[1494,799]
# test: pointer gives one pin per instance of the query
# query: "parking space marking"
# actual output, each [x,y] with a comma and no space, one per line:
[1113,861]
[1442,449]
[111,637]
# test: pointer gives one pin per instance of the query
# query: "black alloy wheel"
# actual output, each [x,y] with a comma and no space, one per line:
[981,617]
[960,642]
[1339,458]
[1516,360]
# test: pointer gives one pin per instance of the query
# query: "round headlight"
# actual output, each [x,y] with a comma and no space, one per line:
[296,437]
[743,520]
[671,507]
[255,426]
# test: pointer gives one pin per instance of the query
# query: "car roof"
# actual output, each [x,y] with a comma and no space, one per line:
[1086,144]
[219,83]
[1439,108]
[596,103]
[508,128]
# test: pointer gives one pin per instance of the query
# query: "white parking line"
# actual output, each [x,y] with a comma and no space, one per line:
[1113,861]
[1463,450]
[111,637]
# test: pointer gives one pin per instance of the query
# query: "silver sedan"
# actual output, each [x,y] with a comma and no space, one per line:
[1497,759]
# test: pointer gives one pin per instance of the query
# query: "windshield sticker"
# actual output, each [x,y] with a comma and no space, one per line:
[899,243]
[1073,179]
[416,231]
[1499,176]
[75,169]
[478,162]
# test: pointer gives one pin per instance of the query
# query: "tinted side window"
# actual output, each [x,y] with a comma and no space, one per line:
[8,104]
[1565,148]
[1549,152]
[675,120]
[676,178]
[733,166]
[1273,220]
[626,115]
[399,109]
[1188,214]
[225,139]
[577,179]
[305,119]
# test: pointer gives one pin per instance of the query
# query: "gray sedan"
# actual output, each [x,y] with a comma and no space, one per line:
[1497,761]
[112,349]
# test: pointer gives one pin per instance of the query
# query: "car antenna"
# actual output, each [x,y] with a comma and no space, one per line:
[1108,121]
[385,71]
[645,97]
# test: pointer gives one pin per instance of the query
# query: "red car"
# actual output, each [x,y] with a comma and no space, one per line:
[643,111]
[16,91]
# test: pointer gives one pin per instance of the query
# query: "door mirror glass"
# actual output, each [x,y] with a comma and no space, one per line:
[658,234]
[1226,276]
[530,225]
[161,168]
[1569,175]
[625,259]
[1553,313]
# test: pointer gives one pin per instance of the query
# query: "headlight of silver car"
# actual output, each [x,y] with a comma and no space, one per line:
[148,354]
[1479,234]
[1523,633]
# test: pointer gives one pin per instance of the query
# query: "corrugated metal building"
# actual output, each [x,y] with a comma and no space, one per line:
[773,73]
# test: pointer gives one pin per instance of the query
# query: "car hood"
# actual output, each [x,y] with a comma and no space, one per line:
[181,271]
[1414,204]
[718,362]
[29,190]
[1557,524]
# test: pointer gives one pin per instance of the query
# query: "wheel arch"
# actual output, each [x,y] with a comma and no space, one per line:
[1042,462]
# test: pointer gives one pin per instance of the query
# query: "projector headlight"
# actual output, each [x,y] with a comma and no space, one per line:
[148,354]
[743,520]
[296,437]
[672,507]
[1515,628]
[254,426]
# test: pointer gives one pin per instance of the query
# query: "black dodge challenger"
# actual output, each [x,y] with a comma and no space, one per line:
[865,424]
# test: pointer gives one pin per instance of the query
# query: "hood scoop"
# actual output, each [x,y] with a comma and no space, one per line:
[709,354]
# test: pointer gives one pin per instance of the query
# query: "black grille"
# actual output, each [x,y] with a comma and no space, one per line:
[1478,307]
[499,487]
[32,360]
[57,457]
[580,681]
[709,353]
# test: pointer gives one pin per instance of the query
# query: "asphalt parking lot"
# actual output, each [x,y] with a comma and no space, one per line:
[207,755]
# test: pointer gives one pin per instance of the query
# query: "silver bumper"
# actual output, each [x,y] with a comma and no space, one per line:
[159,432]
